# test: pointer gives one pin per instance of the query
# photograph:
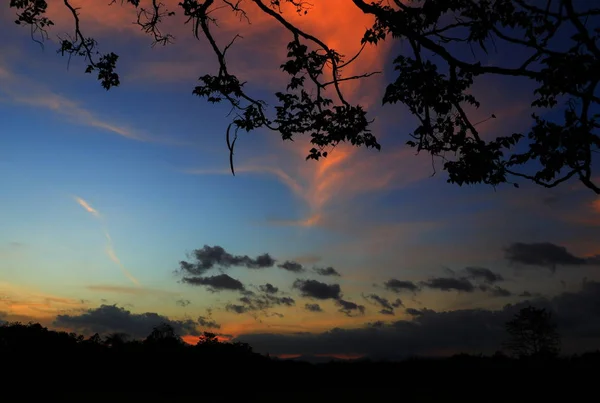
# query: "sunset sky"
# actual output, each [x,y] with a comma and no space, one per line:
[104,193]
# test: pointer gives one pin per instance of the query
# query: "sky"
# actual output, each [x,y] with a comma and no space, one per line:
[366,252]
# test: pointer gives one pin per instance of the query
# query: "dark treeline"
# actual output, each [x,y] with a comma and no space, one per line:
[39,363]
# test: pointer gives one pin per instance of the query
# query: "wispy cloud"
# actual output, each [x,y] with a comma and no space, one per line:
[86,206]
[326,186]
[19,89]
[110,250]
[116,289]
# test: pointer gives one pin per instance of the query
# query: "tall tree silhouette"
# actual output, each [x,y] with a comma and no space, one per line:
[533,334]
[552,43]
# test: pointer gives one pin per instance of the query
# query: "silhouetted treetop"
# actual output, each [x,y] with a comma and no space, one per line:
[553,44]
[533,334]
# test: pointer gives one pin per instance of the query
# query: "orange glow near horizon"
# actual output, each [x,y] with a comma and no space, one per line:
[193,340]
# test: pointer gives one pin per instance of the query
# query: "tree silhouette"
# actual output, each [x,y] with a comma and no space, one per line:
[533,334]
[116,339]
[140,372]
[553,44]
[208,338]
[163,336]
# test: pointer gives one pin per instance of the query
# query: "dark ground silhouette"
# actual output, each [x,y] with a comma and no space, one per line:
[41,365]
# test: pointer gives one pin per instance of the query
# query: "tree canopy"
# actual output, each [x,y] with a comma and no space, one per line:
[533,334]
[554,42]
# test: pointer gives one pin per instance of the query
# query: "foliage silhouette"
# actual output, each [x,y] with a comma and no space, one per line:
[556,42]
[533,334]
[68,366]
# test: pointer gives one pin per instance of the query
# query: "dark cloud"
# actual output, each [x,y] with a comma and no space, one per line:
[318,290]
[208,322]
[434,333]
[349,308]
[483,274]
[268,288]
[255,303]
[114,319]
[387,307]
[182,302]
[210,257]
[398,286]
[543,254]
[262,261]
[496,291]
[449,284]
[326,271]
[528,294]
[418,312]
[216,283]
[292,266]
[313,307]
[236,308]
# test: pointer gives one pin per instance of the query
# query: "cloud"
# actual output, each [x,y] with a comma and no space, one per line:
[255,303]
[350,308]
[87,207]
[483,274]
[543,254]
[418,312]
[236,308]
[387,307]
[497,291]
[209,257]
[183,302]
[208,322]
[529,294]
[111,319]
[326,271]
[449,284]
[22,90]
[430,332]
[346,174]
[118,289]
[313,307]
[110,250]
[398,286]
[316,289]
[292,266]
[268,288]
[216,283]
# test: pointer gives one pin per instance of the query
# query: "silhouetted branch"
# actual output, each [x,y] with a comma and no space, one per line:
[434,81]
[149,21]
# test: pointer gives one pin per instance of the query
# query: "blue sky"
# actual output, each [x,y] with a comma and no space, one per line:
[151,160]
